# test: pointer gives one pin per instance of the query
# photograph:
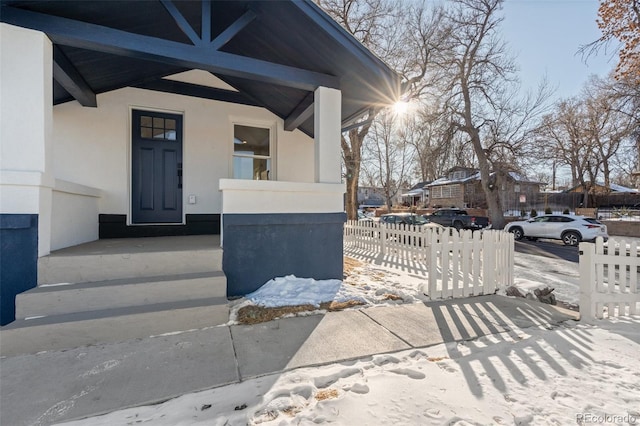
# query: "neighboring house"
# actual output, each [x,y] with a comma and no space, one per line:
[600,188]
[174,118]
[462,188]
[450,190]
[370,196]
[417,195]
[519,192]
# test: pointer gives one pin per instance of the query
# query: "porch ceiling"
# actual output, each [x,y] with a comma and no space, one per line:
[274,53]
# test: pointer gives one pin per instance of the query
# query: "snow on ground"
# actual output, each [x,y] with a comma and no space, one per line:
[571,374]
[392,281]
[291,290]
[531,272]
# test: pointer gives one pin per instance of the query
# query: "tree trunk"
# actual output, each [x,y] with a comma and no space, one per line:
[352,155]
[351,206]
[496,215]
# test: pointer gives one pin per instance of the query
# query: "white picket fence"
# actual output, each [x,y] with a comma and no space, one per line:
[609,279]
[459,264]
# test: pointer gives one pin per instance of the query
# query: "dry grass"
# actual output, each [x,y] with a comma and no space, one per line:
[350,264]
[326,394]
[257,314]
[292,411]
[390,296]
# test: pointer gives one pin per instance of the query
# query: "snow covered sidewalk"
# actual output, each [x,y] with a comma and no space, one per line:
[49,387]
[567,374]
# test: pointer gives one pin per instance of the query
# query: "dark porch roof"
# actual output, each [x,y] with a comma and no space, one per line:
[420,185]
[275,53]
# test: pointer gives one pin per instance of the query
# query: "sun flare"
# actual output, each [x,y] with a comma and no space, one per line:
[401,107]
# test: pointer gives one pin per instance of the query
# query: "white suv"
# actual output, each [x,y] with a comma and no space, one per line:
[570,229]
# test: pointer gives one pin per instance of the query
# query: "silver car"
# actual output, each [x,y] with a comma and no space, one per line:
[570,229]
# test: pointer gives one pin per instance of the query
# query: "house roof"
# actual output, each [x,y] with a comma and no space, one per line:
[419,185]
[414,192]
[614,188]
[446,181]
[516,177]
[274,54]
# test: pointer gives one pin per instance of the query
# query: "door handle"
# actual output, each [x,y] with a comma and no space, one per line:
[179,175]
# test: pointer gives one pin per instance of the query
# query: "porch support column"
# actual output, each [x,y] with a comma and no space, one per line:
[26,181]
[327,121]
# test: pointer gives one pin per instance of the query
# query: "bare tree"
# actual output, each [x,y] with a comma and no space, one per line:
[405,36]
[431,135]
[589,133]
[481,75]
[389,156]
[367,21]
[625,94]
[606,124]
[563,137]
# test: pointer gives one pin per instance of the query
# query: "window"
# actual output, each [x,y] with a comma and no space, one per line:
[446,191]
[251,153]
[458,175]
[157,128]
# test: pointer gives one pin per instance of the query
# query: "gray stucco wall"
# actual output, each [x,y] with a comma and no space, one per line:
[18,260]
[259,247]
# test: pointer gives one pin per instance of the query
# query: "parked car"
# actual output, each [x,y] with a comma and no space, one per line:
[570,229]
[408,219]
[458,218]
[403,218]
[363,217]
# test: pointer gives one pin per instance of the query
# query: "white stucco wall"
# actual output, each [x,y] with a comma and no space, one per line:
[26,177]
[74,214]
[91,146]
[327,116]
[259,196]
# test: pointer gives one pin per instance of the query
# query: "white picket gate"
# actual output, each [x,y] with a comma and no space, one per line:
[609,279]
[459,264]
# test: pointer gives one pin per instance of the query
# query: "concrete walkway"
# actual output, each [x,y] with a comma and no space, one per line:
[48,387]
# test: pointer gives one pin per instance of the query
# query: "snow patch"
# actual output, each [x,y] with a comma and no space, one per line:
[292,291]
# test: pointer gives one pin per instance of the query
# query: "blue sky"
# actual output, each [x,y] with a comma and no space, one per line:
[545,36]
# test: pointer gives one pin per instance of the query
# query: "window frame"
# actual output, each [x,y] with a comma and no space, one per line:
[271,127]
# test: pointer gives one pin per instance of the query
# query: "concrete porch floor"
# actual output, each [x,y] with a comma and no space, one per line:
[141,245]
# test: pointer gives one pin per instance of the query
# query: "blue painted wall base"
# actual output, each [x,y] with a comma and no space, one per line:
[18,260]
[259,247]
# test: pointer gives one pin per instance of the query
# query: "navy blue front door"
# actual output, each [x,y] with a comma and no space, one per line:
[156,167]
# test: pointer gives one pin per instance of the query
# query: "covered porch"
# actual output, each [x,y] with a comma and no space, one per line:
[179,118]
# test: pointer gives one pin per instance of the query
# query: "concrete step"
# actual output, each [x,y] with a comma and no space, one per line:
[91,268]
[69,266]
[114,290]
[61,332]
[60,299]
